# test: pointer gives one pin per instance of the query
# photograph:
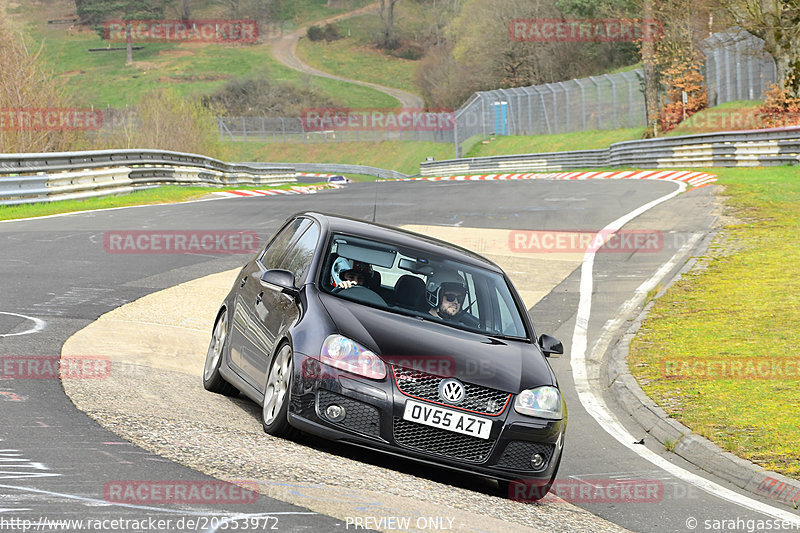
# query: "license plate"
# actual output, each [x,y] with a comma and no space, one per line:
[431,415]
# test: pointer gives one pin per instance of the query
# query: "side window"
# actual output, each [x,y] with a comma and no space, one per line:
[272,256]
[298,261]
[509,321]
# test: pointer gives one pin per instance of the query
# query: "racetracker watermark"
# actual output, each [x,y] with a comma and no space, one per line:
[180,492]
[180,242]
[412,367]
[590,490]
[779,490]
[584,30]
[198,30]
[246,522]
[773,368]
[554,241]
[712,119]
[403,119]
[54,367]
[50,119]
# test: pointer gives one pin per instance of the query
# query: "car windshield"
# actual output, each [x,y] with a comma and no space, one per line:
[411,282]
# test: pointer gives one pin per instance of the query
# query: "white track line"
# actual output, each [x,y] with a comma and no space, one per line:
[594,404]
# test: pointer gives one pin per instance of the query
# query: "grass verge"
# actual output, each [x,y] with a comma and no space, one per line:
[719,350]
[403,156]
[532,144]
[159,195]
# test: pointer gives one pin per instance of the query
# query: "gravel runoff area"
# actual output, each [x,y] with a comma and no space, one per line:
[154,398]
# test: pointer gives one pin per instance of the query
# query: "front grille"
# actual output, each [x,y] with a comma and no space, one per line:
[517,454]
[359,416]
[441,442]
[426,387]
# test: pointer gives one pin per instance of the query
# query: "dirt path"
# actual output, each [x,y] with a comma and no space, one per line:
[285,50]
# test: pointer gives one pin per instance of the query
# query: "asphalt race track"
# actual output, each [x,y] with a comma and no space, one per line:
[57,277]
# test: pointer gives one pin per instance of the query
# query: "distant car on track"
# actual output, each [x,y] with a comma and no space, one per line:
[382,338]
[338,180]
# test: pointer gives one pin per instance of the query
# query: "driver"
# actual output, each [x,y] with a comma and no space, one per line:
[347,273]
[446,292]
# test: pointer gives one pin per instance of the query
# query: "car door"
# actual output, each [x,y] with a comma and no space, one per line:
[247,329]
[276,311]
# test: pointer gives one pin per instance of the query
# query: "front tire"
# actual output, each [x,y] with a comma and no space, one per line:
[212,379]
[275,409]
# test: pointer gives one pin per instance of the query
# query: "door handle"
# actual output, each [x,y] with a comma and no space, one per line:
[241,283]
[259,298]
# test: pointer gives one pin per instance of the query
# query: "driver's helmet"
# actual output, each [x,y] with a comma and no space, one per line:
[343,265]
[442,282]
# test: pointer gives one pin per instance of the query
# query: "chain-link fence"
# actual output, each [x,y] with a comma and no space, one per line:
[605,102]
[298,130]
[737,67]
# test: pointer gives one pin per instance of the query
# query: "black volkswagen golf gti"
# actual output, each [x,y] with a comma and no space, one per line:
[382,338]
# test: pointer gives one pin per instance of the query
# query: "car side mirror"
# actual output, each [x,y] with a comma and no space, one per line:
[550,345]
[282,279]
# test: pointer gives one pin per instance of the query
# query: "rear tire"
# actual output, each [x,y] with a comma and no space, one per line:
[277,393]
[212,379]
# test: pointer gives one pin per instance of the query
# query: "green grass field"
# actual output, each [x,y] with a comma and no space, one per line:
[352,57]
[102,79]
[743,307]
[738,115]
[586,140]
[406,156]
[401,156]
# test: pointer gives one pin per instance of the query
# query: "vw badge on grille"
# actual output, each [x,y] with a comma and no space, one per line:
[451,390]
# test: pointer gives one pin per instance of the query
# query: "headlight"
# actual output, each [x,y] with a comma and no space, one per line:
[345,354]
[543,402]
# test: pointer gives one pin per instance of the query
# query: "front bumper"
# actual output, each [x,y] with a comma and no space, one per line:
[374,419]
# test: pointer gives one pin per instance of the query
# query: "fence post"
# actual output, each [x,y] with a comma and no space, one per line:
[630,101]
[599,107]
[613,98]
[566,105]
[483,114]
[455,136]
[544,111]
[529,97]
[583,103]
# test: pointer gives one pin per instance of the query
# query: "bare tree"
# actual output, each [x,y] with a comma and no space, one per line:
[184,8]
[387,20]
[650,76]
[26,93]
[778,23]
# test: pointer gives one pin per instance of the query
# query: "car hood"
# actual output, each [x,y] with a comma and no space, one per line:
[439,349]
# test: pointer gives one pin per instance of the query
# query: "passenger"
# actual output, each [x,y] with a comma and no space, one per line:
[446,293]
[347,273]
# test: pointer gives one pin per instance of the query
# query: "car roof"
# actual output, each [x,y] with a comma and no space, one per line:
[389,234]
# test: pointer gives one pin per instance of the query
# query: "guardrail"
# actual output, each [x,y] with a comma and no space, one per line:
[770,147]
[335,168]
[49,177]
